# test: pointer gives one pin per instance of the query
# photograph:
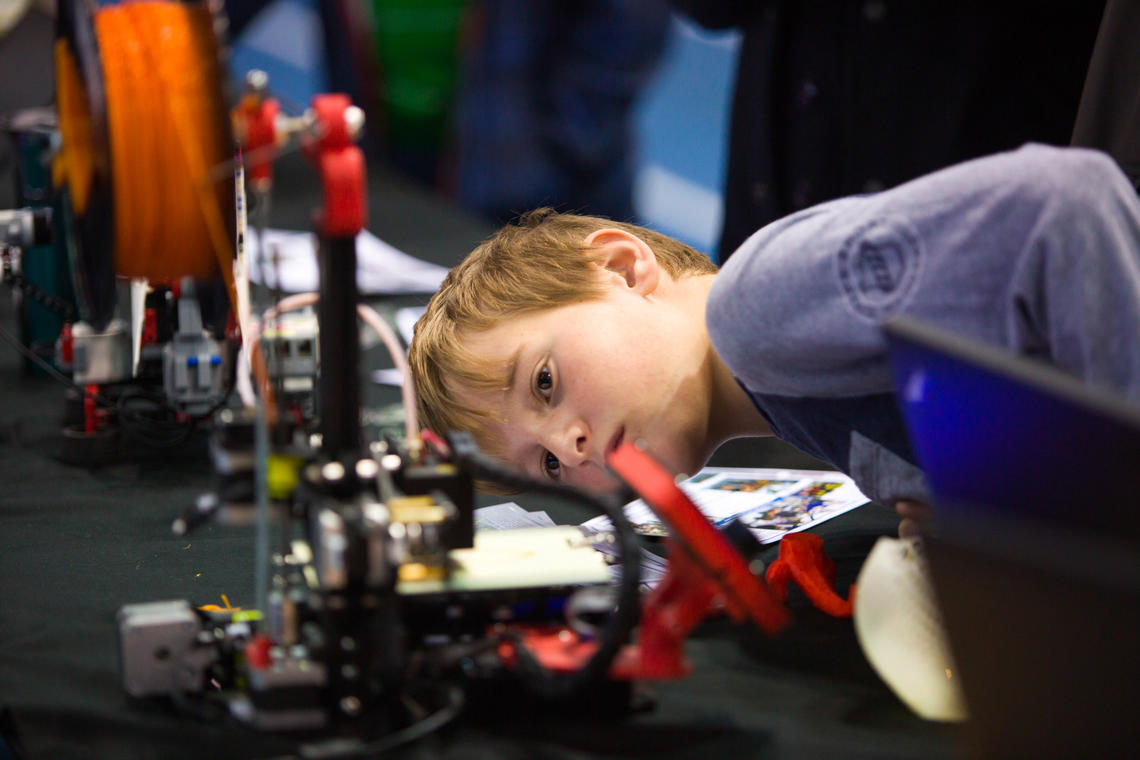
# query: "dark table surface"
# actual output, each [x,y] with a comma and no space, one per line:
[76,544]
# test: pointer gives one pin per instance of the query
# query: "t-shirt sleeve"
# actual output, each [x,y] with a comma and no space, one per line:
[1035,250]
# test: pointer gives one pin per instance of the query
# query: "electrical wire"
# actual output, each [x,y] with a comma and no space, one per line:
[47,367]
[340,749]
[400,359]
[161,428]
[387,336]
[433,439]
[48,300]
[146,418]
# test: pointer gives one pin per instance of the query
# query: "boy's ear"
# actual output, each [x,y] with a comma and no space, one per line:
[627,256]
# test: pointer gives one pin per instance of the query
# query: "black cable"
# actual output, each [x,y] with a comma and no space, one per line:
[166,431]
[205,709]
[617,630]
[221,402]
[47,367]
[158,431]
[39,360]
[342,749]
[48,300]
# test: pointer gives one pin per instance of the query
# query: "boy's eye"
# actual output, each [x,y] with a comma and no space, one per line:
[544,382]
[551,467]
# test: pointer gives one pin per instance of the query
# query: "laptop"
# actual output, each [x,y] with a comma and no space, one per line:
[1035,548]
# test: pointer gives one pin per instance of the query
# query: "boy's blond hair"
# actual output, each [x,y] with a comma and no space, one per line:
[539,262]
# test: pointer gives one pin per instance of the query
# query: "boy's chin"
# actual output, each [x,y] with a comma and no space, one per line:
[676,463]
[679,463]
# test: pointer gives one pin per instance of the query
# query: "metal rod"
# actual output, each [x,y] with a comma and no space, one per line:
[339,381]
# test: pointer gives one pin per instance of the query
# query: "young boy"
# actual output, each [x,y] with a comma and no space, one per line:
[562,336]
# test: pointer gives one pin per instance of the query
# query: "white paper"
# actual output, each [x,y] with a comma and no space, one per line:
[388,376]
[653,566]
[406,321]
[771,502]
[380,268]
[510,516]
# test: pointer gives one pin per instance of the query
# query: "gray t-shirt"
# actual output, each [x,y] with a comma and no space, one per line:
[1036,250]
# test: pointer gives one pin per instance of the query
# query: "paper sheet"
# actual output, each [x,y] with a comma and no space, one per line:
[770,502]
[406,321]
[510,516]
[380,268]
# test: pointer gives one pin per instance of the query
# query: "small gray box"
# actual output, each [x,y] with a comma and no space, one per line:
[157,650]
[101,357]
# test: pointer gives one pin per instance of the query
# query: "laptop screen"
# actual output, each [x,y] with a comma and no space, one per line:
[994,431]
[1035,479]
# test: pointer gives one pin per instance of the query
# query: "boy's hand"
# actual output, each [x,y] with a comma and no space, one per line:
[914,514]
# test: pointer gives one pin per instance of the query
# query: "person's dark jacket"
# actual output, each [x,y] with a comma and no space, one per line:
[1109,115]
[837,97]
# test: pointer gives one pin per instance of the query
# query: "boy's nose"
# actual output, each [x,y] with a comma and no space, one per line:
[573,445]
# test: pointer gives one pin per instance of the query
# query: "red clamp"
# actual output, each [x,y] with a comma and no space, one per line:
[94,418]
[745,596]
[257,652]
[255,122]
[706,575]
[803,560]
[66,345]
[683,598]
[680,601]
[233,329]
[150,327]
[341,166]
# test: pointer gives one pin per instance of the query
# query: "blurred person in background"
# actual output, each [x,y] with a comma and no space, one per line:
[840,97]
[1109,115]
[544,111]
[503,104]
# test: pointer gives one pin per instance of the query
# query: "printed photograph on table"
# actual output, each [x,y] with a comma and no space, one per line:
[770,502]
[701,476]
[758,486]
[805,505]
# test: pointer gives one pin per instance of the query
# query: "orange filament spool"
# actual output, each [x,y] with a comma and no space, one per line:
[75,126]
[166,129]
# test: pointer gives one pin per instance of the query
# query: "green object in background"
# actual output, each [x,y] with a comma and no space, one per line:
[417,44]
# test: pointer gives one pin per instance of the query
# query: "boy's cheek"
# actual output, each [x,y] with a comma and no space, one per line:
[598,480]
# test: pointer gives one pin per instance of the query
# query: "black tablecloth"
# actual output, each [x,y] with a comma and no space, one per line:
[77,544]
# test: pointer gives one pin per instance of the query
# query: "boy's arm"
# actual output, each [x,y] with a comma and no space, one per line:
[1036,250]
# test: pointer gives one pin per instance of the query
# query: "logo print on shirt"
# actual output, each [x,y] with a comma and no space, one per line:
[878,266]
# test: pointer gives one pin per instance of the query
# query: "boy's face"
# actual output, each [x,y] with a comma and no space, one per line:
[588,376]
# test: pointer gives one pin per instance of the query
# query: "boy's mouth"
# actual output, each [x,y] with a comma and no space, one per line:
[619,436]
